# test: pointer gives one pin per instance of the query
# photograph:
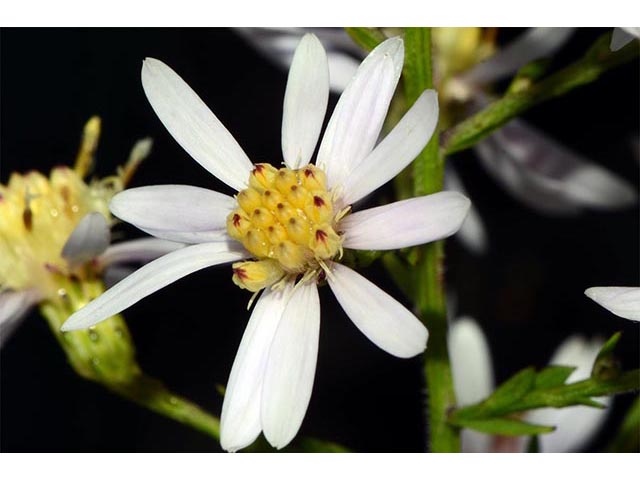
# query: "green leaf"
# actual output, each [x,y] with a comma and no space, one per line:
[505,426]
[367,38]
[553,376]
[513,389]
[589,68]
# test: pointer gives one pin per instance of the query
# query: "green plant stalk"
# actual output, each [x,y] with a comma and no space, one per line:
[105,354]
[430,300]
[628,437]
[595,62]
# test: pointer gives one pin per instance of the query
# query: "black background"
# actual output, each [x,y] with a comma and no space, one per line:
[526,292]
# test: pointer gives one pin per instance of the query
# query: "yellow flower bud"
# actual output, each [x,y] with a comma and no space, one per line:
[249,199]
[325,242]
[238,224]
[262,176]
[255,276]
[313,178]
[284,180]
[256,242]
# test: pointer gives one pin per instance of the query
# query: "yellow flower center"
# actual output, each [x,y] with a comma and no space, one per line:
[37,216]
[286,220]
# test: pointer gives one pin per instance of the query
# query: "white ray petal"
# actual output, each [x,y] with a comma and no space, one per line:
[381,318]
[141,250]
[240,419]
[406,223]
[621,36]
[547,176]
[89,239]
[473,233]
[621,301]
[396,151]
[357,119]
[180,213]
[291,366]
[472,371]
[193,125]
[576,426]
[151,278]
[14,305]
[305,102]
[535,43]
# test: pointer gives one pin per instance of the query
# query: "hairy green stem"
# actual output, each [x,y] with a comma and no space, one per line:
[430,300]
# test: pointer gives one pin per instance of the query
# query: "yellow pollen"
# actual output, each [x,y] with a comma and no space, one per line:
[286,220]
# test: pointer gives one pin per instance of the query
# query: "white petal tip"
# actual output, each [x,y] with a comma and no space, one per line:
[621,301]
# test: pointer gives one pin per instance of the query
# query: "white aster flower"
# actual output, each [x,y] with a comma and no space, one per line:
[286,227]
[54,233]
[473,380]
[621,301]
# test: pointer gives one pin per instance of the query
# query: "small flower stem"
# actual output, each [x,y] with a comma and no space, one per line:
[430,300]
[105,354]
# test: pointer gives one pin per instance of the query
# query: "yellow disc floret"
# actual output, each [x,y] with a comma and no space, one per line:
[286,220]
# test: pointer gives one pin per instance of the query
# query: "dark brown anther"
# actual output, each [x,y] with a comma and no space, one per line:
[318,201]
[308,173]
[27,218]
[236,220]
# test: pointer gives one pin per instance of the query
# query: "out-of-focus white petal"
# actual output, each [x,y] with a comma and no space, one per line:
[576,426]
[193,125]
[358,117]
[279,44]
[305,102]
[547,176]
[535,43]
[89,239]
[240,419]
[291,366]
[414,221]
[14,305]
[175,212]
[471,363]
[396,151]
[142,250]
[472,233]
[621,301]
[472,372]
[380,317]
[151,278]
[623,35]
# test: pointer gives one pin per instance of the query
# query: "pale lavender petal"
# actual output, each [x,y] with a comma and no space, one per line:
[14,305]
[472,233]
[305,102]
[576,426]
[547,176]
[151,278]
[88,240]
[175,212]
[142,250]
[535,43]
[622,36]
[291,366]
[240,422]
[621,301]
[193,125]
[405,223]
[357,119]
[380,317]
[396,151]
